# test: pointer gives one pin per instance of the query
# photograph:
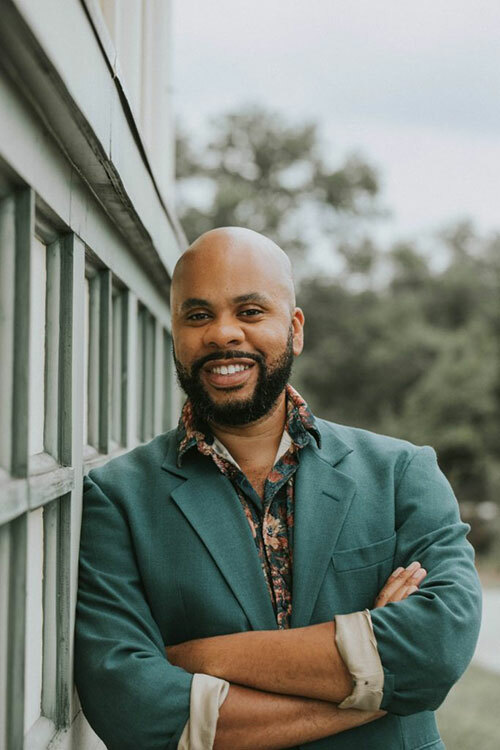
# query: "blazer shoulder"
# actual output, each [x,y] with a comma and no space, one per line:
[372,447]
[137,466]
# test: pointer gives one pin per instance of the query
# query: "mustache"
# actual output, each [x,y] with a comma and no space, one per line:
[228,354]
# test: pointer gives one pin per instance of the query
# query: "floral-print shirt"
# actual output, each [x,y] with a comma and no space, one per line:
[271,517]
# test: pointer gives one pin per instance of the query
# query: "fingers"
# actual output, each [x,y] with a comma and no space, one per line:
[401,583]
[410,585]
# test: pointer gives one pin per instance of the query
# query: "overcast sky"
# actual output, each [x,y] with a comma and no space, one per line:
[413,86]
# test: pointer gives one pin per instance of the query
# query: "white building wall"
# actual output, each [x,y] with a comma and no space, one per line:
[88,241]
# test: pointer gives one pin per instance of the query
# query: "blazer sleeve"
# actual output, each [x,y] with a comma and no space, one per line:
[426,641]
[130,694]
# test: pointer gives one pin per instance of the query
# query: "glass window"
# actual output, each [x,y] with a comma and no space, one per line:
[145,374]
[139,379]
[38,286]
[93,363]
[168,382]
[149,377]
[4,623]
[7,287]
[86,360]
[34,619]
[118,369]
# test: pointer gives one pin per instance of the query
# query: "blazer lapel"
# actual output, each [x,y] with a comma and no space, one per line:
[210,504]
[323,495]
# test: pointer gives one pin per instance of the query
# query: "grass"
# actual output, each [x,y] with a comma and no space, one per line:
[469,719]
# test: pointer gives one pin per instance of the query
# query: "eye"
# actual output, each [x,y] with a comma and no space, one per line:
[252,312]
[197,316]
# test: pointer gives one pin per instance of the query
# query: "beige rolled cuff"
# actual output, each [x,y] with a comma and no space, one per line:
[207,696]
[358,648]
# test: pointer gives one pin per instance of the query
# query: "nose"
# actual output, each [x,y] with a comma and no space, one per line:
[223,332]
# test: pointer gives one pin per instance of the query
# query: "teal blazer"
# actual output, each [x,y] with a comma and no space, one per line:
[167,556]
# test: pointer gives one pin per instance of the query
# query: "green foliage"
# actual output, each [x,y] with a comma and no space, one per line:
[394,342]
[260,172]
[418,358]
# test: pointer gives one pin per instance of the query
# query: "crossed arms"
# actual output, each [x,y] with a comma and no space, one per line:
[135,697]
[285,684]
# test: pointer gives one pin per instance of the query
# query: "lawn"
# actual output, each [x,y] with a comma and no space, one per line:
[469,719]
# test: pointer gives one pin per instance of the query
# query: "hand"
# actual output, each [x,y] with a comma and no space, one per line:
[400,584]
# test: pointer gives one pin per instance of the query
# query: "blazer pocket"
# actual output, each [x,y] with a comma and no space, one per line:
[363,557]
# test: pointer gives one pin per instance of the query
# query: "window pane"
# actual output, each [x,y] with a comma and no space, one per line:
[145,374]
[86,361]
[7,286]
[4,618]
[93,371]
[34,619]
[149,377]
[52,605]
[117,368]
[38,285]
[167,381]
[140,371]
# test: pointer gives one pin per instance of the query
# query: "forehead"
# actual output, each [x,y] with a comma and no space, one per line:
[218,274]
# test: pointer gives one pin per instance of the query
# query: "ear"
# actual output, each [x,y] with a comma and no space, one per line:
[298,331]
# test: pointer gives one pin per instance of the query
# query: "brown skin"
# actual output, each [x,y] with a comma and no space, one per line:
[254,720]
[221,267]
[298,661]
[261,717]
[284,683]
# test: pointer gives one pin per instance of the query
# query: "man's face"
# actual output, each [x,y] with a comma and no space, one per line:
[234,334]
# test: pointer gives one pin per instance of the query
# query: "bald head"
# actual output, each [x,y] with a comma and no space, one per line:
[232,298]
[235,252]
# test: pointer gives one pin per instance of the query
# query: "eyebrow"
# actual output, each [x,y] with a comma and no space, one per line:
[257,297]
[194,302]
[262,299]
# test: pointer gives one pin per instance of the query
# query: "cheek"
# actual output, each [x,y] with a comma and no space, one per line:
[271,340]
[186,345]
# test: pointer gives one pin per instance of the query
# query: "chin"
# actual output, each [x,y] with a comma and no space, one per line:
[225,396]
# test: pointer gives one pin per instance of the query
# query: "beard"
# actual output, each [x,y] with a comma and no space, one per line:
[270,384]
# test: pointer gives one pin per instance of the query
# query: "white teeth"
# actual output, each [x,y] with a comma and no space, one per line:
[229,370]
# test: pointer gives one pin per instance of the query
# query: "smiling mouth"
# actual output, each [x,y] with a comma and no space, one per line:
[228,375]
[228,369]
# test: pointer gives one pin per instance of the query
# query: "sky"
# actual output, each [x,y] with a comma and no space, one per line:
[414,87]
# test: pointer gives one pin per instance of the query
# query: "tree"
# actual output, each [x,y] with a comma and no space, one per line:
[417,358]
[263,173]
[394,343]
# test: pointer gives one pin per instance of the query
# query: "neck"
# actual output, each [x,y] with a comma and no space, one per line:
[265,433]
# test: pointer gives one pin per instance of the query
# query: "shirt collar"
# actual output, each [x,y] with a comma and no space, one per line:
[222,451]
[299,426]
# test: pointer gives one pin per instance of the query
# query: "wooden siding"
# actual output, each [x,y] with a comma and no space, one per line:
[78,197]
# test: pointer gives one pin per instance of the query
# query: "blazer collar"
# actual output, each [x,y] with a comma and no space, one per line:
[209,503]
[323,494]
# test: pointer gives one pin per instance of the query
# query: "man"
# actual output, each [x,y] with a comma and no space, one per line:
[247,548]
